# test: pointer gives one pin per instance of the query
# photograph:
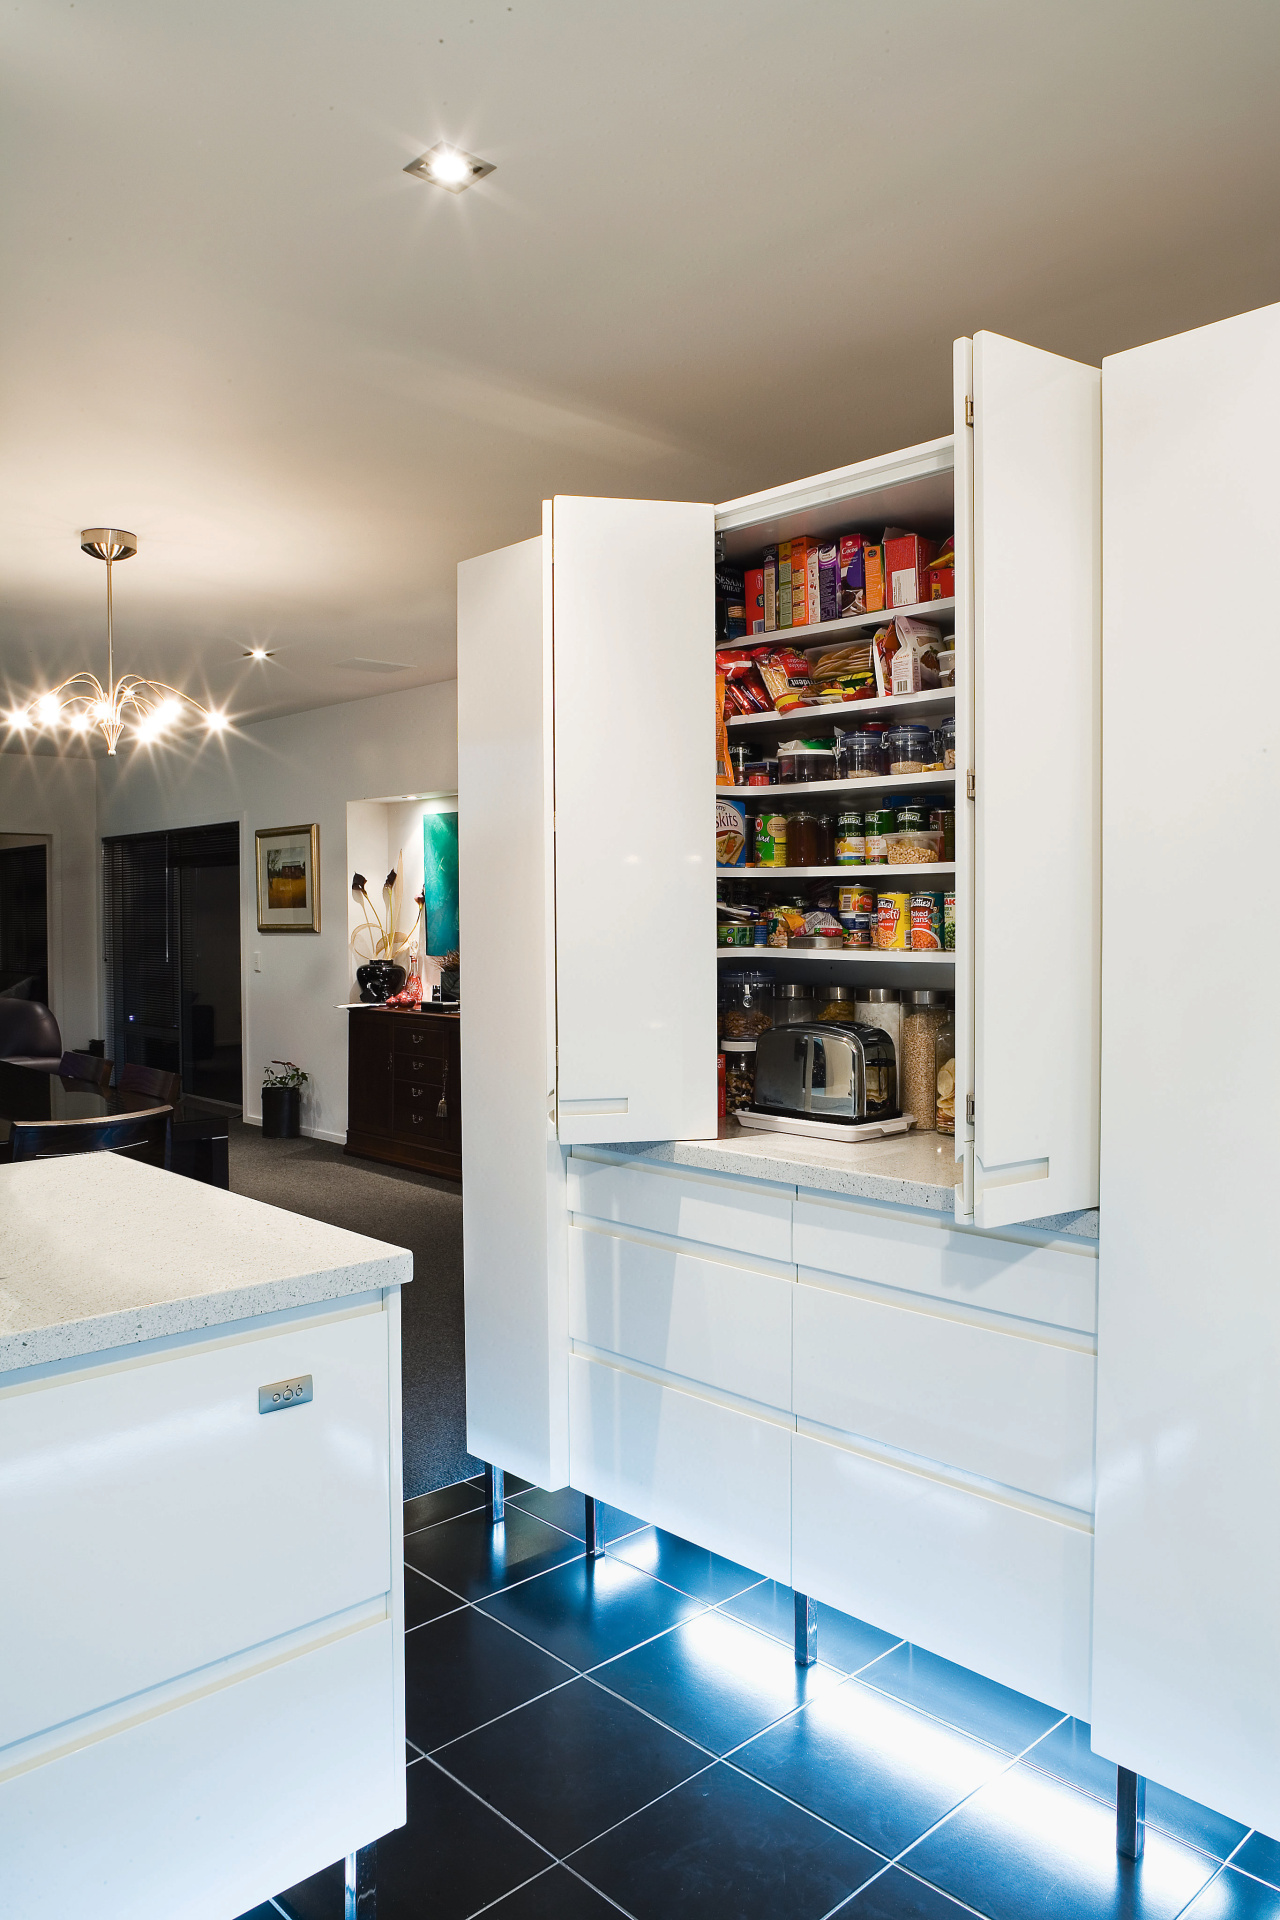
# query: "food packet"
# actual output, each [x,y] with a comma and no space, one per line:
[786,675]
[784,923]
[744,689]
[724,766]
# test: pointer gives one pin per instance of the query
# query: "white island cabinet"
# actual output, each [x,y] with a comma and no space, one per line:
[202,1697]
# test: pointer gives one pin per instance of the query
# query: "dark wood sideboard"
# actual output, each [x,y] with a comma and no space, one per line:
[400,1066]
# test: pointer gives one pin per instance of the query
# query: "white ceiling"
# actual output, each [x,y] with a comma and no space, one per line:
[728,242]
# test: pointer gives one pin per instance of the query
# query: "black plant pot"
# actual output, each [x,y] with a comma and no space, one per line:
[379,978]
[281,1113]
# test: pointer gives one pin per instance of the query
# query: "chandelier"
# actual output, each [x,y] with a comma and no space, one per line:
[82,702]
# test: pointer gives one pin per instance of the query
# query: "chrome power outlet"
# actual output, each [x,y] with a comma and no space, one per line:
[284,1393]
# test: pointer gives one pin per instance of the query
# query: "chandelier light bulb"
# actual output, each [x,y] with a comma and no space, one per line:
[18,719]
[215,722]
[49,707]
[79,723]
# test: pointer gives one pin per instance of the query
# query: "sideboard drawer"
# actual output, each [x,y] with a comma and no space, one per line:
[420,1066]
[705,1471]
[431,1038]
[1009,1408]
[234,1526]
[727,1326]
[744,1218]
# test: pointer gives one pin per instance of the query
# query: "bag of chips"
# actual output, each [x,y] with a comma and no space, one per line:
[786,675]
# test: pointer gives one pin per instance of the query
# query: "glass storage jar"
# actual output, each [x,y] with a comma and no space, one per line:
[944,1057]
[739,1074]
[909,749]
[880,1007]
[739,757]
[800,761]
[746,1002]
[859,755]
[923,1012]
[794,1005]
[835,1003]
[947,741]
[826,840]
[802,840]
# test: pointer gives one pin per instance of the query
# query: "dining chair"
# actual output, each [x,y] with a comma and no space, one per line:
[154,1082]
[86,1066]
[134,1136]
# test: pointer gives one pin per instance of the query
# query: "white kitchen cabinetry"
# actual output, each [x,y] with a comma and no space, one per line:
[1186,1674]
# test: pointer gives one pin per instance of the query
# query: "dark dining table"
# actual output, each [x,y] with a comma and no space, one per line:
[196,1136]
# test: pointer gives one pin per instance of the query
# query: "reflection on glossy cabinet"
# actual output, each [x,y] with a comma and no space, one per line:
[402,1069]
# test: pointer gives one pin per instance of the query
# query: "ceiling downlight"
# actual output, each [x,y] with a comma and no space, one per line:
[449,167]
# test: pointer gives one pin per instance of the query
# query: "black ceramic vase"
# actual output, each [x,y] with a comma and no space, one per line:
[281,1113]
[378,978]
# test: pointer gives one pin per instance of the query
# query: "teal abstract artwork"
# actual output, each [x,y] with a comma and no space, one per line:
[440,882]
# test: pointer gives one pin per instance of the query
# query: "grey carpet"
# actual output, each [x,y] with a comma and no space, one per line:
[411,1210]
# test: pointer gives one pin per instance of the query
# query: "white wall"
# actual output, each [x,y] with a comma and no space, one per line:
[49,797]
[286,772]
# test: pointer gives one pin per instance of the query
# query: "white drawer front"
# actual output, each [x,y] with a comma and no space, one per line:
[202,1810]
[990,1586]
[1048,1284]
[745,1218]
[154,1521]
[1011,1409]
[715,1475]
[725,1325]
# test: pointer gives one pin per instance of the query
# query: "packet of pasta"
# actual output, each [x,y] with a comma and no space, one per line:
[786,675]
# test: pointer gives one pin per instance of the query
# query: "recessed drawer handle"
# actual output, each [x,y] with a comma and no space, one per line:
[284,1393]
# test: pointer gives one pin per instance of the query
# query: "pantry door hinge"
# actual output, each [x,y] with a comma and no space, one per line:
[968,1108]
[968,409]
[971,784]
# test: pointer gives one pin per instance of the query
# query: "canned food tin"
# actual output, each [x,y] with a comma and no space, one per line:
[770,845]
[876,824]
[855,900]
[943,820]
[893,922]
[926,923]
[949,922]
[857,929]
[851,845]
[733,933]
[910,818]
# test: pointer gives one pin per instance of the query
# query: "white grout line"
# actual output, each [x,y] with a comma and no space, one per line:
[505,1818]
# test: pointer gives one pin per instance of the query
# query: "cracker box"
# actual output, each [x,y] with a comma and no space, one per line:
[829,581]
[853,583]
[942,583]
[873,571]
[753,596]
[906,568]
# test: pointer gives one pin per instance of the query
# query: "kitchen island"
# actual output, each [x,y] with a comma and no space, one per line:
[200,1496]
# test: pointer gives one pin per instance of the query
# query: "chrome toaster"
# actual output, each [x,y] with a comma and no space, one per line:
[826,1078]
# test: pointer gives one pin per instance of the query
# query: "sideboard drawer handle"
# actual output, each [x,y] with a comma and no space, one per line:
[417,1119]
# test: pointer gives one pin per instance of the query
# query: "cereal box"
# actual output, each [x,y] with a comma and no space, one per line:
[853,584]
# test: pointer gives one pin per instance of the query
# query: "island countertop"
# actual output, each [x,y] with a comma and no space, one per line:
[98,1252]
[909,1170]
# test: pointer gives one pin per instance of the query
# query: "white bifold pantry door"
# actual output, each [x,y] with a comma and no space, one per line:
[1029,853]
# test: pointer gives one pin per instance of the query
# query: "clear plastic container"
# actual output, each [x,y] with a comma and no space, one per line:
[746,1003]
[800,761]
[909,749]
[860,755]
[739,1074]
[794,1005]
[947,742]
[944,1059]
[924,1011]
[881,1007]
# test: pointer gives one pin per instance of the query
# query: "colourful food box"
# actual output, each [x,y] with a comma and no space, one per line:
[853,580]
[873,575]
[770,570]
[906,568]
[942,583]
[784,583]
[829,581]
[753,595]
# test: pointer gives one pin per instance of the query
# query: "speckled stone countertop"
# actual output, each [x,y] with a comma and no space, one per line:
[99,1252]
[910,1170]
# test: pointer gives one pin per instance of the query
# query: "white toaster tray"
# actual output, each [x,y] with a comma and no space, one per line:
[826,1129]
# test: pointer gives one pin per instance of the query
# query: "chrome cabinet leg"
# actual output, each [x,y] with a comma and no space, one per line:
[595,1545]
[806,1630]
[1131,1814]
[495,1497]
[362,1884]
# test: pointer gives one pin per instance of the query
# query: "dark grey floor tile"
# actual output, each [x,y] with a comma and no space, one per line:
[429,1509]
[319,1898]
[1029,1847]
[571,1764]
[464,1670]
[1235,1896]
[899,1896]
[590,1610]
[1260,1856]
[876,1769]
[474,1558]
[565,1508]
[715,1680]
[425,1600]
[452,1856]
[268,1912]
[511,1483]
[695,1571]
[722,1846]
[1066,1753]
[842,1641]
[981,1707]
[556,1894]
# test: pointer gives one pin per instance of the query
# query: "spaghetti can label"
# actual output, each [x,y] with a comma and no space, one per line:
[893,922]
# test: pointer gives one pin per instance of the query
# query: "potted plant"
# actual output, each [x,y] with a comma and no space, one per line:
[282,1084]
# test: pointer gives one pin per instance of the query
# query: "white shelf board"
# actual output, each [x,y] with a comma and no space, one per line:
[841,956]
[925,870]
[913,488]
[834,633]
[876,783]
[806,720]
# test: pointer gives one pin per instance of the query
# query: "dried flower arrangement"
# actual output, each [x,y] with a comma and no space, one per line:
[380,931]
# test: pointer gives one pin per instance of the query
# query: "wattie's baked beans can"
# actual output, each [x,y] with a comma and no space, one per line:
[926,923]
[893,922]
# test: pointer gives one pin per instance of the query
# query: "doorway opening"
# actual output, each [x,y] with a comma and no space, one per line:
[24,916]
[172,918]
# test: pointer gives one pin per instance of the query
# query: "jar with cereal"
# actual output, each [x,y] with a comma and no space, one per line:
[746,1002]
[909,748]
[923,1012]
[739,1074]
[944,1057]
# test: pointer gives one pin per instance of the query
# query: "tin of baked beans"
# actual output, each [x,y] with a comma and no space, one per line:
[926,923]
[893,922]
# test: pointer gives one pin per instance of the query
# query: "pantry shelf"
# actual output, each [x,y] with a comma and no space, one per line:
[832,632]
[851,875]
[847,713]
[839,956]
[850,789]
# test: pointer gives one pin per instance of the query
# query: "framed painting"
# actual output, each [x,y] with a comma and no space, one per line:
[288,879]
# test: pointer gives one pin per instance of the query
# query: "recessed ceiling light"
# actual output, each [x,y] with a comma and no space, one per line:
[259,653]
[449,167]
